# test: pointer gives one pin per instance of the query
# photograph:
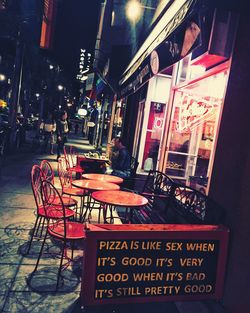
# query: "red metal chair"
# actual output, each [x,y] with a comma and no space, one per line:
[48,174]
[36,181]
[59,228]
[71,160]
[65,177]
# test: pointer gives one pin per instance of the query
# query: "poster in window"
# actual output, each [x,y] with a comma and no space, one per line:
[208,131]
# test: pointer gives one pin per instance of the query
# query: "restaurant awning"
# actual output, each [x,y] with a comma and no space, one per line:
[174,36]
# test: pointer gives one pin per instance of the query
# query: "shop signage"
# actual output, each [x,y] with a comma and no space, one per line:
[154,62]
[90,81]
[142,76]
[158,122]
[140,263]
[195,109]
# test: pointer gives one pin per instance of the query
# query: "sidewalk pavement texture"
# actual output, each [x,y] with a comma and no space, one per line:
[17,217]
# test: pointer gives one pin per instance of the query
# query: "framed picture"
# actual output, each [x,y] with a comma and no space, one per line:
[208,131]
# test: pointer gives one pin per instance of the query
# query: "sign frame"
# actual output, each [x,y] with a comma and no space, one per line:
[147,232]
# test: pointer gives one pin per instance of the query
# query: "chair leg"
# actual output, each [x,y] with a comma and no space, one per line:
[41,251]
[42,227]
[99,216]
[33,233]
[40,219]
[72,250]
[60,267]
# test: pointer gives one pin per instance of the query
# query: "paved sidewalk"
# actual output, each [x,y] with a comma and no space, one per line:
[17,216]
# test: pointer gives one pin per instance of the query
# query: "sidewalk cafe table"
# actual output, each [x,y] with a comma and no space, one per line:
[90,186]
[104,178]
[113,198]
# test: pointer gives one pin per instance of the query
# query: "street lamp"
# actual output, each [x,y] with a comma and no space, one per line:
[134,10]
[60,87]
[2,77]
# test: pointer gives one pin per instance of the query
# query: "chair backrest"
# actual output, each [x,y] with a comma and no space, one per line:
[66,153]
[50,195]
[70,154]
[194,204]
[73,156]
[133,166]
[47,171]
[36,182]
[158,183]
[65,176]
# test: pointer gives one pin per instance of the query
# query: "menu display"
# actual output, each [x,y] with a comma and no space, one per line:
[131,266]
[138,268]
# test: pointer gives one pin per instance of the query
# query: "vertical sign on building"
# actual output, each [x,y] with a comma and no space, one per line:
[48,23]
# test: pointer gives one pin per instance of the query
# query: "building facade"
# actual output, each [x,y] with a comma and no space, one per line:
[183,108]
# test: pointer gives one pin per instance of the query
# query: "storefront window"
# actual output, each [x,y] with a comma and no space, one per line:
[194,125]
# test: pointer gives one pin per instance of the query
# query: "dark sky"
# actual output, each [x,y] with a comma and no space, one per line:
[76,28]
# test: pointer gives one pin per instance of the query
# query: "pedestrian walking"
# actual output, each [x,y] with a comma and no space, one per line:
[49,128]
[62,130]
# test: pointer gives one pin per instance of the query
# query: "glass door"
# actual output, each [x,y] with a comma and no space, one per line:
[153,136]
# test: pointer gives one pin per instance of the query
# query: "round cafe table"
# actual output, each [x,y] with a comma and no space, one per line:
[104,178]
[90,186]
[114,198]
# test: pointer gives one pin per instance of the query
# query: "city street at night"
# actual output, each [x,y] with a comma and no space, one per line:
[124,156]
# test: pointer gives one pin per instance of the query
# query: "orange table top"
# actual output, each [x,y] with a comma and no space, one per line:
[104,178]
[94,185]
[120,198]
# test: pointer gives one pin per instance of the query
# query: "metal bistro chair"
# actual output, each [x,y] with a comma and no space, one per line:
[41,217]
[71,158]
[49,175]
[65,177]
[159,190]
[192,206]
[129,182]
[61,229]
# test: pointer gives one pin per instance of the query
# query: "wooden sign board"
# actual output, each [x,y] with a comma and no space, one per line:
[144,263]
